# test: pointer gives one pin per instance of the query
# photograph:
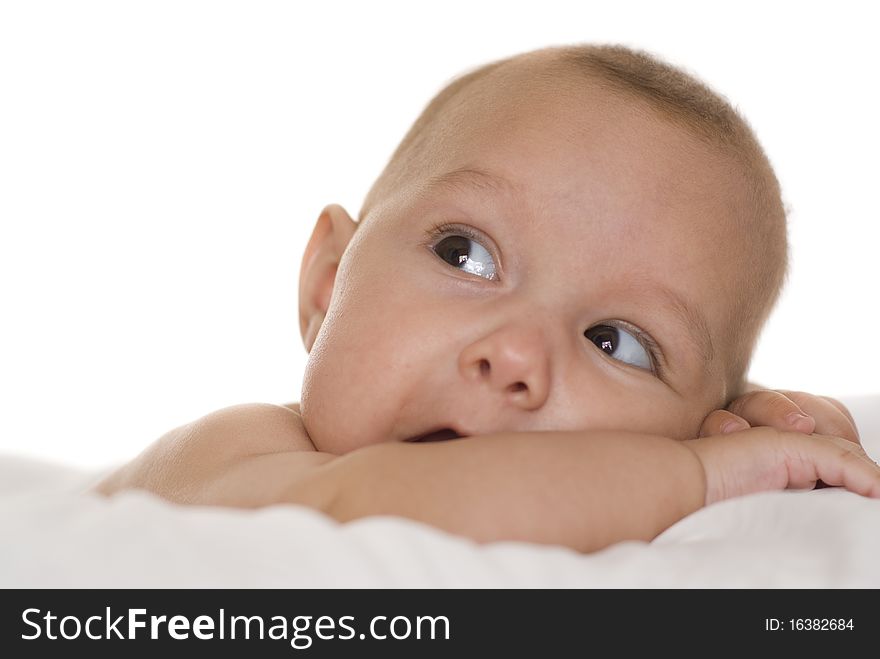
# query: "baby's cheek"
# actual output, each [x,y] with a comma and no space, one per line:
[689,428]
[684,423]
[665,422]
[667,418]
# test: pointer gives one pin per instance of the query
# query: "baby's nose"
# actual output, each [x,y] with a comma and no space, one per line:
[513,362]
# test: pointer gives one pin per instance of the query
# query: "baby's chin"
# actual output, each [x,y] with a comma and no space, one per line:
[336,440]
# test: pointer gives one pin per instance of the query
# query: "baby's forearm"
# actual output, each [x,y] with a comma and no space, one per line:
[585,490]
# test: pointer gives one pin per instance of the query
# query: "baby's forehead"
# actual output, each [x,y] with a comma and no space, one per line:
[509,112]
[596,155]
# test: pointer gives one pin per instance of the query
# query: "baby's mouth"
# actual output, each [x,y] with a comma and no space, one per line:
[441,435]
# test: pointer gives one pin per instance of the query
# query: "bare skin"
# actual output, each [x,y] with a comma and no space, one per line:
[588,400]
[507,486]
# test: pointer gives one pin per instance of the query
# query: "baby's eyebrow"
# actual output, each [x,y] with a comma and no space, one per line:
[469,178]
[690,318]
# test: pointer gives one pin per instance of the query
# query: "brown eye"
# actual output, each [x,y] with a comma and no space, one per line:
[604,336]
[467,255]
[621,345]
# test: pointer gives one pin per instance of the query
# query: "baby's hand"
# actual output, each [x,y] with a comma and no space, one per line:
[762,459]
[793,411]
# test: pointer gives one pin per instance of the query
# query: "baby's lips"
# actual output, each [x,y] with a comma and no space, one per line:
[442,435]
[437,433]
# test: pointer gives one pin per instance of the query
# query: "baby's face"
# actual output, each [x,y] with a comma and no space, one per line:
[565,262]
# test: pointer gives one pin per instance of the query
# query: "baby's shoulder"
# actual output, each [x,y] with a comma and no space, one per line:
[217,458]
[254,428]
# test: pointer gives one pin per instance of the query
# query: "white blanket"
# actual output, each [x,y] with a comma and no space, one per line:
[53,534]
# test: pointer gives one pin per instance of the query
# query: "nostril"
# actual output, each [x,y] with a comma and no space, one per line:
[484,367]
[517,386]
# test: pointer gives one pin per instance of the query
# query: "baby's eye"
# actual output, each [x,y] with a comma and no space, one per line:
[466,254]
[621,345]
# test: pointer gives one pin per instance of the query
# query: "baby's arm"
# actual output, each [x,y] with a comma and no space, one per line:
[547,487]
[585,490]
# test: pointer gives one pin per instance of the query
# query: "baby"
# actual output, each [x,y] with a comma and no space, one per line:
[533,330]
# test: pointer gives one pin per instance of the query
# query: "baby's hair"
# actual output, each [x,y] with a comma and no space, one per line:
[681,99]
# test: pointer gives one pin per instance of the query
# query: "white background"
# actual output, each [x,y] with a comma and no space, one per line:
[162,165]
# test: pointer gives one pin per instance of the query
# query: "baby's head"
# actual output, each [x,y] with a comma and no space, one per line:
[574,238]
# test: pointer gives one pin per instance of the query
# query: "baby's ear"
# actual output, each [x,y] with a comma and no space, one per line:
[317,274]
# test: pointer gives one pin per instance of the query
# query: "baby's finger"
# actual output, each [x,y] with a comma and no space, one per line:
[843,408]
[837,462]
[832,418]
[774,409]
[721,422]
